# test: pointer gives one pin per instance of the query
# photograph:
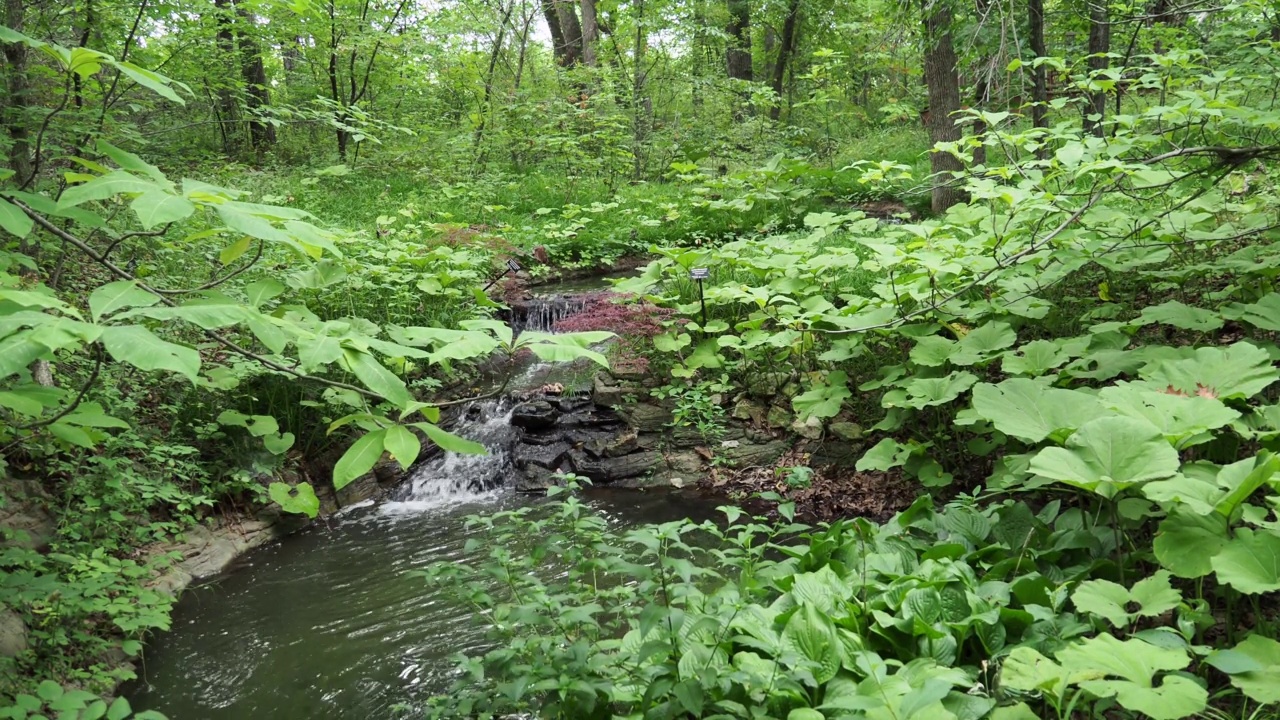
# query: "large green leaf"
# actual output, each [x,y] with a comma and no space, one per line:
[450,442]
[157,207]
[811,635]
[1264,314]
[358,459]
[300,498]
[13,220]
[401,443]
[209,310]
[1180,316]
[1108,456]
[141,348]
[154,82]
[824,399]
[1187,542]
[117,182]
[1034,358]
[1250,562]
[927,392]
[1131,668]
[984,343]
[1184,420]
[119,295]
[377,377]
[1254,667]
[1238,371]
[1032,411]
[1149,597]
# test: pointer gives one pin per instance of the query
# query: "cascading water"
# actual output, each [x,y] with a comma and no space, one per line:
[451,478]
[541,313]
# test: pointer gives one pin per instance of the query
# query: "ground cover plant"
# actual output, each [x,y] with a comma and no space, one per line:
[1031,264]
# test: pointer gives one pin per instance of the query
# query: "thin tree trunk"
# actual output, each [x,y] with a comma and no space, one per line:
[524,48]
[488,76]
[738,54]
[639,107]
[785,49]
[1039,80]
[1099,45]
[590,32]
[944,99]
[16,103]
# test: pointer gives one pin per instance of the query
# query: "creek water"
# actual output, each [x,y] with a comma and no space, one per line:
[328,623]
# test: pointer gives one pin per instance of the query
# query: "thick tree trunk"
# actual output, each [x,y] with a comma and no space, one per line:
[785,49]
[16,100]
[738,54]
[261,134]
[1099,46]
[572,30]
[590,32]
[943,85]
[226,42]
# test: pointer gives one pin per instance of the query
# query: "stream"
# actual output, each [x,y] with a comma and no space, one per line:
[328,623]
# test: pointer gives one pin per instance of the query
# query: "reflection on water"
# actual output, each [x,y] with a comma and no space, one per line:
[328,624]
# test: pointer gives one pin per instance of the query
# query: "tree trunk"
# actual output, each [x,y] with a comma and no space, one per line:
[1099,46]
[590,32]
[572,30]
[787,46]
[1040,84]
[738,54]
[639,106]
[944,99]
[16,102]
[262,134]
[485,101]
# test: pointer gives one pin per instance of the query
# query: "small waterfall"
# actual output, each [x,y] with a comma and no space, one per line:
[541,313]
[450,478]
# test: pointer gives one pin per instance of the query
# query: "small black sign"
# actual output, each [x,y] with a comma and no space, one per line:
[513,265]
[699,273]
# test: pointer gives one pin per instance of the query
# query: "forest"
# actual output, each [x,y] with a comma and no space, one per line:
[760,359]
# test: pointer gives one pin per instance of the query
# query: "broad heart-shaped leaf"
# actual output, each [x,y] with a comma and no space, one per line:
[1187,542]
[1264,314]
[278,444]
[141,348]
[118,295]
[1254,667]
[933,351]
[157,207]
[823,400]
[13,220]
[1034,358]
[1032,411]
[1153,596]
[377,377]
[1108,456]
[811,635]
[1180,316]
[1183,419]
[1136,663]
[983,343]
[358,459]
[926,392]
[1249,562]
[450,442]
[402,444]
[1238,371]
[300,498]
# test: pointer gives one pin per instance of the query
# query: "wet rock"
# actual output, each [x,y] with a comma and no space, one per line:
[751,410]
[810,429]
[536,479]
[13,634]
[536,415]
[754,455]
[648,441]
[543,438]
[622,444]
[779,417]
[606,394]
[609,470]
[766,385]
[662,479]
[847,430]
[572,403]
[365,487]
[685,463]
[686,437]
[645,417]
[548,457]
[208,551]
[837,452]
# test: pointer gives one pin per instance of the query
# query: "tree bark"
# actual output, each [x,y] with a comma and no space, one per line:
[738,54]
[943,86]
[1099,46]
[785,49]
[566,33]
[16,102]
[1039,81]
[262,135]
[590,32]
[225,39]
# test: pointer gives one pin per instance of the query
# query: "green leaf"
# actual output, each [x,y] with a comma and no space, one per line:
[927,392]
[689,694]
[150,80]
[1180,316]
[209,310]
[1184,420]
[1264,314]
[141,348]
[157,207]
[278,444]
[1249,562]
[233,251]
[1152,596]
[1136,664]
[300,498]
[358,459]
[811,635]
[117,182]
[933,351]
[1034,358]
[402,444]
[1031,411]
[263,290]
[91,414]
[450,442]
[555,351]
[1254,667]
[1187,541]
[14,221]
[805,714]
[1238,371]
[984,343]
[128,161]
[118,295]
[119,709]
[823,400]
[1108,456]
[377,377]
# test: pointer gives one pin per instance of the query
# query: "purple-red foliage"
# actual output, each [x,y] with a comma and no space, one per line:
[634,322]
